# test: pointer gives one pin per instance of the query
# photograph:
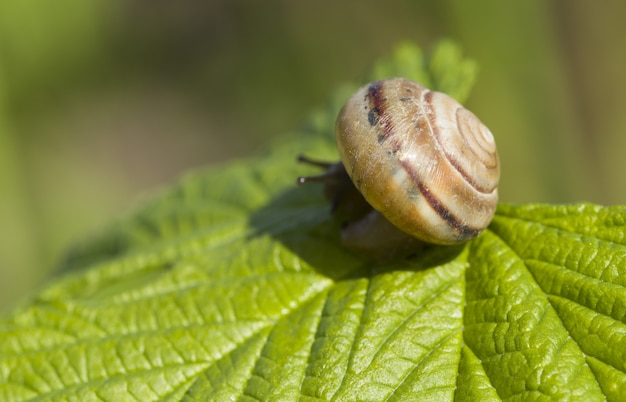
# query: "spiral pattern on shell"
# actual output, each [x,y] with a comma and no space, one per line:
[421,159]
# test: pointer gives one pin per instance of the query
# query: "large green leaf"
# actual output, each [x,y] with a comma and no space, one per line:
[233,285]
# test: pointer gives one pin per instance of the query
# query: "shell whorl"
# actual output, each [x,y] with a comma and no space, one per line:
[421,159]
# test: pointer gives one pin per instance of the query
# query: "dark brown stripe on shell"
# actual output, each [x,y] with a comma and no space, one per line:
[432,119]
[454,222]
[376,94]
[373,117]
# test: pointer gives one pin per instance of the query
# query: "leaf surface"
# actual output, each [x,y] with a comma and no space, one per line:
[232,285]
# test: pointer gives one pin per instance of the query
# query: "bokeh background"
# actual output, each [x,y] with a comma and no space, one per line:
[104,102]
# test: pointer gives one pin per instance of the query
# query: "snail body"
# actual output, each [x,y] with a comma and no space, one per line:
[420,159]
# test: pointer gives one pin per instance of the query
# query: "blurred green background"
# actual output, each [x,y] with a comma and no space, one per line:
[104,102]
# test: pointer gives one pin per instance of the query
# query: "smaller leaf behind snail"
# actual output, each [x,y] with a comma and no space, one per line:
[413,161]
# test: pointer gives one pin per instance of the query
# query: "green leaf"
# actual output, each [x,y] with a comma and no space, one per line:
[445,70]
[233,285]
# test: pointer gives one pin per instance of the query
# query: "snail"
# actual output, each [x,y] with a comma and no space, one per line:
[416,166]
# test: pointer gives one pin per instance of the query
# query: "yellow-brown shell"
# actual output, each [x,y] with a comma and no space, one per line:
[421,159]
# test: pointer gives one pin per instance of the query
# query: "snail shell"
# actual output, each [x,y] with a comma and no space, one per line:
[427,164]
